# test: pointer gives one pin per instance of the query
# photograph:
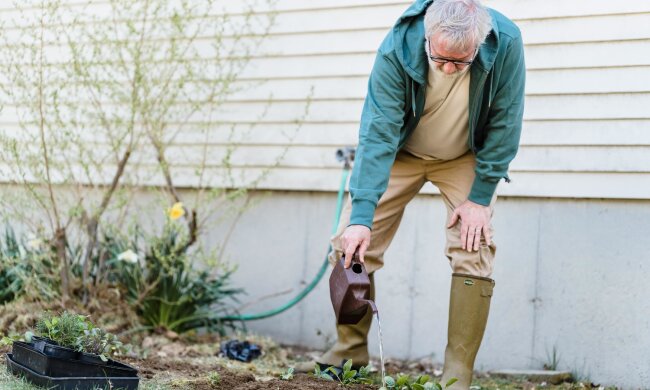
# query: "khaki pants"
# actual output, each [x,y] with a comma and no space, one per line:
[454,179]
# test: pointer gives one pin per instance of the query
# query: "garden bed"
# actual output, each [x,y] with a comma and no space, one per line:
[192,362]
[200,373]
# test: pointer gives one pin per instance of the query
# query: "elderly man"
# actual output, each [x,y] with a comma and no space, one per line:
[444,104]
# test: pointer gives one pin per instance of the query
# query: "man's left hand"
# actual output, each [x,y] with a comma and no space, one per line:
[474,221]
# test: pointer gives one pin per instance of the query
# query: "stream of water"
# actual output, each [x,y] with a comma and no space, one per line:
[381,351]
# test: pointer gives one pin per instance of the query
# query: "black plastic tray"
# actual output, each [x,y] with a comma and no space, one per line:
[88,366]
[70,383]
[51,348]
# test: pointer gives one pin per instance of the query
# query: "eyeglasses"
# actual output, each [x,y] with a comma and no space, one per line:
[442,60]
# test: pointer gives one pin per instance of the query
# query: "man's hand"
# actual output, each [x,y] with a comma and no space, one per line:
[355,236]
[474,220]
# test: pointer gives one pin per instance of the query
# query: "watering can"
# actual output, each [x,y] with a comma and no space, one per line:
[350,291]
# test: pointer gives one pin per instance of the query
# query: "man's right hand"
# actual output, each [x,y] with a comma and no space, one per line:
[355,236]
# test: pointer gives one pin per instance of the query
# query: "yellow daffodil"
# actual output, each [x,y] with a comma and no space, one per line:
[176,211]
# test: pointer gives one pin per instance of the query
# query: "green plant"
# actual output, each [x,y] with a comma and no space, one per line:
[26,269]
[99,342]
[214,379]
[9,340]
[75,331]
[346,375]
[10,281]
[322,374]
[165,288]
[287,375]
[422,382]
[552,359]
[580,373]
[65,329]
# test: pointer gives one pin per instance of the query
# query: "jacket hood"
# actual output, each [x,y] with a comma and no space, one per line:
[409,40]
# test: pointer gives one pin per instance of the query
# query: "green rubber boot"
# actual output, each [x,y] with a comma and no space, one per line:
[469,304]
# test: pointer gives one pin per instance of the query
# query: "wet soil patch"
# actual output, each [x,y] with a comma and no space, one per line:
[300,382]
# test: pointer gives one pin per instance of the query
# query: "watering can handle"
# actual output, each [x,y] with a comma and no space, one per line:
[355,257]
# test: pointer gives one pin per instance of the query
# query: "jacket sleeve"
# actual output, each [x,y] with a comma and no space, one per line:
[503,127]
[381,121]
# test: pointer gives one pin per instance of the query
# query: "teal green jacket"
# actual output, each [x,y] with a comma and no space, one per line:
[395,101]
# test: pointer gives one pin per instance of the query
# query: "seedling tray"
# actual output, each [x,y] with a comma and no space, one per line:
[51,348]
[70,383]
[87,366]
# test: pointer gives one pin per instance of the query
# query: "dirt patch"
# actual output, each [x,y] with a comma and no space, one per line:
[151,367]
[234,381]
[299,382]
[227,380]
[193,375]
[196,375]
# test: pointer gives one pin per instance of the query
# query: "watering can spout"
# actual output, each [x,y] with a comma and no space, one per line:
[350,291]
[372,305]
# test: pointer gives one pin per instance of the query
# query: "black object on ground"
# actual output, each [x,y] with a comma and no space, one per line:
[87,365]
[52,348]
[70,383]
[240,350]
[45,363]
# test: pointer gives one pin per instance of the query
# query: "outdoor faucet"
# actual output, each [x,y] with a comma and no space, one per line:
[346,155]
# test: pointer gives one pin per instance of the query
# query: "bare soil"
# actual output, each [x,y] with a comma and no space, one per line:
[195,375]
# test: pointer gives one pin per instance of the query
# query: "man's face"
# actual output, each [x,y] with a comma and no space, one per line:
[446,59]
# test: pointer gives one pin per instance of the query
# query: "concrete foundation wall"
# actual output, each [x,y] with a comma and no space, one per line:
[570,275]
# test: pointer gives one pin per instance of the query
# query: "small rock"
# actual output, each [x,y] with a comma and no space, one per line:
[173,349]
[154,341]
[553,377]
[170,334]
[148,342]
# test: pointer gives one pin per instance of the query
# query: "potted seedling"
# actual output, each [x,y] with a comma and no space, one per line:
[68,351]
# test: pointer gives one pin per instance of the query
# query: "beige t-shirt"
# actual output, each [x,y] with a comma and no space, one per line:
[442,132]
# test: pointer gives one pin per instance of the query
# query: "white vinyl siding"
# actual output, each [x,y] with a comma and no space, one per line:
[586,124]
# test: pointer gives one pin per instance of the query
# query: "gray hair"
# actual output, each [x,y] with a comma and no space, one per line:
[464,23]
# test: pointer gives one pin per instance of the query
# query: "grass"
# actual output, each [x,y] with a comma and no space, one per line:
[7,381]
[10,382]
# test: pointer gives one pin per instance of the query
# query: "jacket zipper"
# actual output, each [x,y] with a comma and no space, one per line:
[413,105]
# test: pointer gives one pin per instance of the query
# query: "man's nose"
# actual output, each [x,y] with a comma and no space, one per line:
[449,68]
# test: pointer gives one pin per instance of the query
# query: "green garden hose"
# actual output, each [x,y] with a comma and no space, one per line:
[321,271]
